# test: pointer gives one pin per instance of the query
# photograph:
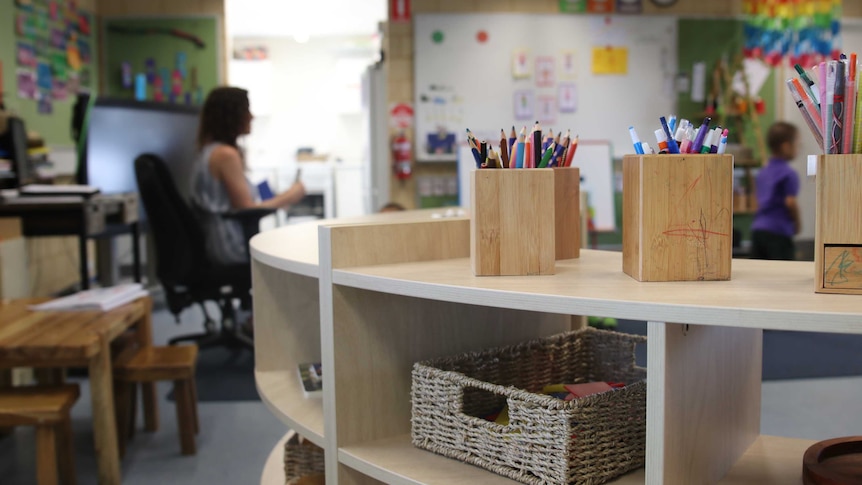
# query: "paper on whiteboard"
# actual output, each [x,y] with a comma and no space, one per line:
[698,82]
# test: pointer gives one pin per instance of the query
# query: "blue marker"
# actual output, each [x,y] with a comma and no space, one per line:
[671,123]
[636,142]
[672,146]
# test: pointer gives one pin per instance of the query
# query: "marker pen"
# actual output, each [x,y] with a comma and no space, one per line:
[661,141]
[672,147]
[813,121]
[701,134]
[671,123]
[809,84]
[722,145]
[680,131]
[707,140]
[646,148]
[716,139]
[636,142]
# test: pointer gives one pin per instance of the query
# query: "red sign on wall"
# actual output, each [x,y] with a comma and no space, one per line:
[399,10]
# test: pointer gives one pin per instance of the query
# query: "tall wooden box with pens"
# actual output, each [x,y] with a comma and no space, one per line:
[838,232]
[677,217]
[523,220]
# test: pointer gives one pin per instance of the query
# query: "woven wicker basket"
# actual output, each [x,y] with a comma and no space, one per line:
[302,459]
[547,441]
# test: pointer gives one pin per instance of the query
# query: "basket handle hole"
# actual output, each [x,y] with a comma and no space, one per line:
[483,404]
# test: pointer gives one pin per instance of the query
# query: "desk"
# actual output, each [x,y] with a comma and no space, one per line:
[77,339]
[84,217]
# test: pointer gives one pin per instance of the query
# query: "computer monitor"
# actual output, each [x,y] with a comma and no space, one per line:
[120,129]
[13,143]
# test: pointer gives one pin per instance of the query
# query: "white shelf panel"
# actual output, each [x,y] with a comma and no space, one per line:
[273,469]
[770,460]
[396,461]
[282,393]
[760,294]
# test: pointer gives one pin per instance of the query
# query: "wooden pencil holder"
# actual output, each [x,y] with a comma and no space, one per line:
[523,220]
[837,232]
[677,217]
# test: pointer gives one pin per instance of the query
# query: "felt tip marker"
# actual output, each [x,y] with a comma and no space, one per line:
[661,141]
[672,147]
[636,142]
[722,145]
[808,84]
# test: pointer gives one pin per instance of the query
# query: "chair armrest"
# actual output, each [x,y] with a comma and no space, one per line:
[252,214]
[249,219]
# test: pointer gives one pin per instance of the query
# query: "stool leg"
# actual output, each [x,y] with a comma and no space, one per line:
[66,452]
[46,456]
[151,406]
[185,419]
[5,383]
[121,410]
[193,387]
[133,409]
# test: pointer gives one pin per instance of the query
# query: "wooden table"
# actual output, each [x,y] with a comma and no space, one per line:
[78,339]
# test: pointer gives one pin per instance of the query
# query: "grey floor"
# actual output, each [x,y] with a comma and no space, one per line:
[236,437]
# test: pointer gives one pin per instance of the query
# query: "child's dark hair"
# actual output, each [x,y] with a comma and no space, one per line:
[780,133]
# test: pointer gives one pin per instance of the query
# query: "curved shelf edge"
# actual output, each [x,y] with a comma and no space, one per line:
[273,469]
[280,392]
[298,267]
[434,280]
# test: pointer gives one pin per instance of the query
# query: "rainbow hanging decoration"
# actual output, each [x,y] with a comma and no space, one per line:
[801,32]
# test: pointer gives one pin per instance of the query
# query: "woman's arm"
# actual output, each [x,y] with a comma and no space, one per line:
[225,164]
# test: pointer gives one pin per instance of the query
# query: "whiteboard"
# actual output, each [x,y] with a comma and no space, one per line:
[461,82]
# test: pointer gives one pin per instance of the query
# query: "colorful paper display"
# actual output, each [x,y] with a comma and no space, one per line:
[52,50]
[802,32]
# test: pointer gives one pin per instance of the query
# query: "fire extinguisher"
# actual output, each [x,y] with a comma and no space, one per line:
[401,154]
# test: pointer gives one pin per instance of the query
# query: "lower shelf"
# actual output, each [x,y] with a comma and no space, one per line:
[273,469]
[397,461]
[770,460]
[281,391]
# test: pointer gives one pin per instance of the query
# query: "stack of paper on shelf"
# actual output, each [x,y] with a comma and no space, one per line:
[103,299]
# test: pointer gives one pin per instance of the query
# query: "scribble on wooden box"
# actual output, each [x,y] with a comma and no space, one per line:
[677,217]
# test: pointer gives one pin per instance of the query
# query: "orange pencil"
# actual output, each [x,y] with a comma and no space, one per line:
[528,152]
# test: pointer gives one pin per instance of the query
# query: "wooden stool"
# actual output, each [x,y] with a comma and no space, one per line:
[46,408]
[150,364]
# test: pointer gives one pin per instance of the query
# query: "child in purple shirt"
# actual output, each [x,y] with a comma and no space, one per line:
[777,218]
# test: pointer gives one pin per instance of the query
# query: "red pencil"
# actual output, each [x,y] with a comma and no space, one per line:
[570,153]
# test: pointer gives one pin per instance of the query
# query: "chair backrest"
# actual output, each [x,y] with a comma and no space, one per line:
[176,231]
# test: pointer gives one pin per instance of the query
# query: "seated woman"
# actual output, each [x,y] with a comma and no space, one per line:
[219,183]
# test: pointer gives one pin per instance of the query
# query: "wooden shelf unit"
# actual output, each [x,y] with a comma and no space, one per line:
[396,289]
[273,469]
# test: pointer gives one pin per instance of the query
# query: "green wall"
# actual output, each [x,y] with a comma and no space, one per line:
[55,127]
[708,41]
[136,48]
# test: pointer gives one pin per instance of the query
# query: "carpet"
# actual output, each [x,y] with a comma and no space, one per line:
[225,375]
[791,355]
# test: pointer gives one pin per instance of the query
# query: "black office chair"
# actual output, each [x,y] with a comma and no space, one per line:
[187,275]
